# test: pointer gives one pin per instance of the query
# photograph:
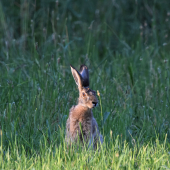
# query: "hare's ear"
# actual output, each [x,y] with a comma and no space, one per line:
[77,77]
[85,75]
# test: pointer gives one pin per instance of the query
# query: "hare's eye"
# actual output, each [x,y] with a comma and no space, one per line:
[84,94]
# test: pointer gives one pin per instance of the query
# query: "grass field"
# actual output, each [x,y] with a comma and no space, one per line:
[126,46]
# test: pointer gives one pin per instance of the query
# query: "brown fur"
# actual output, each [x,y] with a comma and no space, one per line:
[81,123]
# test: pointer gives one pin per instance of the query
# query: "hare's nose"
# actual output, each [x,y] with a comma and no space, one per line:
[94,103]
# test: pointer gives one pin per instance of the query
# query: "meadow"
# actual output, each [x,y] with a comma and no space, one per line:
[126,46]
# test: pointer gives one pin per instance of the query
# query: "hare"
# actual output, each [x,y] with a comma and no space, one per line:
[81,124]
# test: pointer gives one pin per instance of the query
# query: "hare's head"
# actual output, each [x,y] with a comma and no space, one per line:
[87,97]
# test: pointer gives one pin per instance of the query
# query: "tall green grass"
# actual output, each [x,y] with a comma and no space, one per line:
[126,47]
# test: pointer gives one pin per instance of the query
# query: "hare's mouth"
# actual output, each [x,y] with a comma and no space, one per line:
[94,104]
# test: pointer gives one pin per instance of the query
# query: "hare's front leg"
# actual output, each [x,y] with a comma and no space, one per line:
[97,137]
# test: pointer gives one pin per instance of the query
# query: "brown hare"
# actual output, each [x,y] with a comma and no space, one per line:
[81,125]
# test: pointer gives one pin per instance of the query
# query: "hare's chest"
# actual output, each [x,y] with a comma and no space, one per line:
[85,129]
[86,125]
[80,123]
[81,128]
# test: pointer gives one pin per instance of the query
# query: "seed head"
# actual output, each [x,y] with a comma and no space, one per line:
[98,93]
